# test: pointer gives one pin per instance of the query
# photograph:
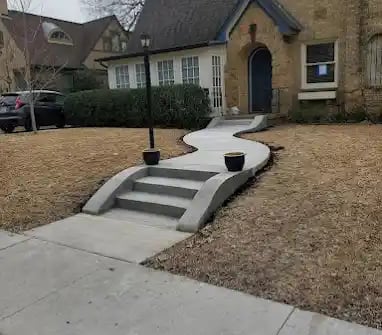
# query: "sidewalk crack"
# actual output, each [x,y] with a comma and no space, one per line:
[285,321]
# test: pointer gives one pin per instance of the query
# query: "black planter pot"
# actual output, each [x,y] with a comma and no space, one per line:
[234,161]
[151,156]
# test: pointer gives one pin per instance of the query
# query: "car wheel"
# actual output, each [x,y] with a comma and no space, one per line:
[8,129]
[61,122]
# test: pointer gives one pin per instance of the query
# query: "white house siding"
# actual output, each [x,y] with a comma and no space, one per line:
[205,68]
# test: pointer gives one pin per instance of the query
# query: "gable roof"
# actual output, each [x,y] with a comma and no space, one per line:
[43,53]
[182,24]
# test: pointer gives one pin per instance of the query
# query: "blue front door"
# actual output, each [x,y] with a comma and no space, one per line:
[260,79]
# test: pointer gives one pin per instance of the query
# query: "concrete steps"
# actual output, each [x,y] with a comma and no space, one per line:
[141,218]
[154,203]
[169,186]
[236,122]
[160,198]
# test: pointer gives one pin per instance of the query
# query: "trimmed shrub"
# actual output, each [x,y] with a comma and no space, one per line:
[178,106]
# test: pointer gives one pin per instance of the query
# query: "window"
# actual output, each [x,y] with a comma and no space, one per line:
[116,43]
[190,70]
[141,75]
[166,72]
[217,94]
[124,45]
[319,65]
[122,76]
[374,61]
[58,36]
[107,44]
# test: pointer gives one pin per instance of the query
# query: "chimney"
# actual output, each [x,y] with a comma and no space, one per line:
[3,7]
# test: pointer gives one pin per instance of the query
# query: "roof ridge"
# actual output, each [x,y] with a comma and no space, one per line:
[62,20]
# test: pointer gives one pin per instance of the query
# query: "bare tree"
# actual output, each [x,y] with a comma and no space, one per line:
[40,77]
[127,11]
[7,59]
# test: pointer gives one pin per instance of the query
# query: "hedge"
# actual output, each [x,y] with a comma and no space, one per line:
[179,106]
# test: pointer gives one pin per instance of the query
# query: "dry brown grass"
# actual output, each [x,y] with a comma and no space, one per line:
[48,176]
[308,233]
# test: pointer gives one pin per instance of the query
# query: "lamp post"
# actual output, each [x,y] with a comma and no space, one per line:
[151,156]
[145,40]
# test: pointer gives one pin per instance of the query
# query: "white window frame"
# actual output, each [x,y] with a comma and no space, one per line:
[373,62]
[170,81]
[304,66]
[118,76]
[140,76]
[195,78]
[217,83]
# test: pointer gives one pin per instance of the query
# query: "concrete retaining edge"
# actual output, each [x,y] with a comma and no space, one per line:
[219,188]
[104,198]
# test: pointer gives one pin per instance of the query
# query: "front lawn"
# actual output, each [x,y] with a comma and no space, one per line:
[308,233]
[49,176]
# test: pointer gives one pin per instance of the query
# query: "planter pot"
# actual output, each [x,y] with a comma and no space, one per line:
[234,161]
[151,156]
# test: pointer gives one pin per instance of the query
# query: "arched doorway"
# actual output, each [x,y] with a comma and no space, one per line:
[260,81]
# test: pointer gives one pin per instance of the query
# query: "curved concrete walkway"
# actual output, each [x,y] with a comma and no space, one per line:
[188,189]
[214,141]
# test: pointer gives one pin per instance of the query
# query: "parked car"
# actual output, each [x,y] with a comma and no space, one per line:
[15,110]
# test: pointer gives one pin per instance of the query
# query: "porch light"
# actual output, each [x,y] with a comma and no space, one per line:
[145,41]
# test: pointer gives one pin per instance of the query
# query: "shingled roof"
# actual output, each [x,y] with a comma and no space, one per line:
[182,24]
[43,53]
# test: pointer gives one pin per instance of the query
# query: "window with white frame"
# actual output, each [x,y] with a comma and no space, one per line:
[374,61]
[217,93]
[122,76]
[190,70]
[320,61]
[140,75]
[166,72]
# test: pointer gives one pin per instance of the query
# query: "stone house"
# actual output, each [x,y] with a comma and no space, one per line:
[261,55]
[55,49]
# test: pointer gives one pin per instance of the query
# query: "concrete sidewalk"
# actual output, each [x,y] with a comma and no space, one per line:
[50,289]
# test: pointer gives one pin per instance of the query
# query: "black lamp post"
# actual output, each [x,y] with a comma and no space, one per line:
[151,156]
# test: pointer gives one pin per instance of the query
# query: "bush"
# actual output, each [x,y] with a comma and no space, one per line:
[179,106]
[310,113]
[84,80]
[319,112]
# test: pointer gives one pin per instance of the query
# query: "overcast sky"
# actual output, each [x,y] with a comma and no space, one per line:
[69,10]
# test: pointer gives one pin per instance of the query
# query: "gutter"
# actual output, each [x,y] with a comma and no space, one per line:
[159,51]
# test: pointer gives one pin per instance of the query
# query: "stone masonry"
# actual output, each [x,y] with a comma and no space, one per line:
[349,22]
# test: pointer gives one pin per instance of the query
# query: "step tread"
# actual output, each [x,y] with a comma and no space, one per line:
[176,182]
[156,198]
[143,218]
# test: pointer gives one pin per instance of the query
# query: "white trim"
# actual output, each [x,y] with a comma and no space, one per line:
[304,84]
[320,95]
[169,81]
[181,68]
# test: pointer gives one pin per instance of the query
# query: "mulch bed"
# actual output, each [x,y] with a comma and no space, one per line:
[51,175]
[307,233]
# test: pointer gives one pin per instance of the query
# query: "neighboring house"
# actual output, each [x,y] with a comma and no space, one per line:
[261,55]
[55,49]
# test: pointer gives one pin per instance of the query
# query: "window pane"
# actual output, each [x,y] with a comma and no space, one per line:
[320,73]
[318,53]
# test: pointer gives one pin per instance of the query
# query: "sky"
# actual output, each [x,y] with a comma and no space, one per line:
[69,10]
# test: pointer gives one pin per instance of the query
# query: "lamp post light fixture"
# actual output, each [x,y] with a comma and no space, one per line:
[151,156]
